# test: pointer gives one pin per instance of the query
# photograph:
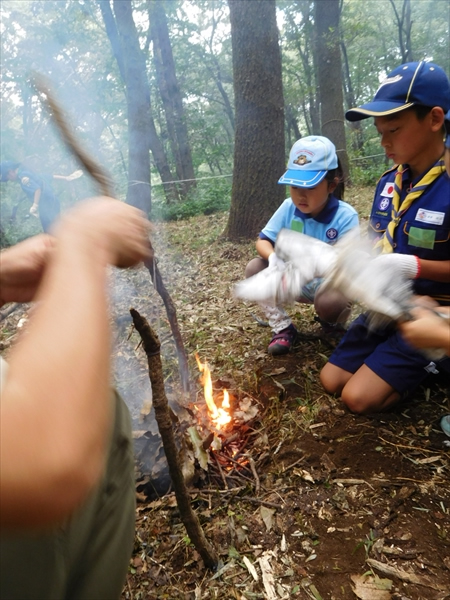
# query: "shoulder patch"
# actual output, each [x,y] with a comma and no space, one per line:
[331,233]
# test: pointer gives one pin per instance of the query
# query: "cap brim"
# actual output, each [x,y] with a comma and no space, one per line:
[304,179]
[375,109]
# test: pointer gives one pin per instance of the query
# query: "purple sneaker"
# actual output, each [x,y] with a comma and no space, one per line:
[282,342]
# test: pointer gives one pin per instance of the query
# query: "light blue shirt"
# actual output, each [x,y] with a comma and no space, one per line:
[337,218]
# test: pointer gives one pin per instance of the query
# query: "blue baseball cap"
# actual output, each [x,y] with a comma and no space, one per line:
[447,129]
[415,83]
[5,167]
[310,159]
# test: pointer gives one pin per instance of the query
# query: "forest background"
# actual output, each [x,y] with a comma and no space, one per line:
[202,99]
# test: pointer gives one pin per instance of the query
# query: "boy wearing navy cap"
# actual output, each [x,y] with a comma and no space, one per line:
[37,189]
[315,209]
[410,218]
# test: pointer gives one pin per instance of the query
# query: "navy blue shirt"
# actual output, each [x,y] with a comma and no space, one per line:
[424,228]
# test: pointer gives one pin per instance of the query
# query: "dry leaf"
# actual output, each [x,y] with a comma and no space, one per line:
[371,588]
[267,516]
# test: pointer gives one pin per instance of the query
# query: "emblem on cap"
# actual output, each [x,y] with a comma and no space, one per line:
[301,160]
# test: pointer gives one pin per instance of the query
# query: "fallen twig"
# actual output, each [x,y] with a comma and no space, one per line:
[405,576]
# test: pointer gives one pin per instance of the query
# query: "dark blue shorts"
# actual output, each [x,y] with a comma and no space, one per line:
[385,352]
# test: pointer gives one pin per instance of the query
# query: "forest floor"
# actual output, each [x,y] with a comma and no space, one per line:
[303,499]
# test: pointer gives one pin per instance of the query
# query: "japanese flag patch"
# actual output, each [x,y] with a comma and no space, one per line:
[388,190]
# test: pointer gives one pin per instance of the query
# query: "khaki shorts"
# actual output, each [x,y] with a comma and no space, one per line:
[87,558]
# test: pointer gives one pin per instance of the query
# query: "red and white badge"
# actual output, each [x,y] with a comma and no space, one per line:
[388,190]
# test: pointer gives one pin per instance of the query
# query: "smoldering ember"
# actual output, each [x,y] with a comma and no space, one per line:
[292,158]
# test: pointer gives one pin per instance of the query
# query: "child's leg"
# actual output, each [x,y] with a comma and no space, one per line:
[256,265]
[371,370]
[284,332]
[362,392]
[332,306]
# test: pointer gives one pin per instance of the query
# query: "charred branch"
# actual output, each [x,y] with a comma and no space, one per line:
[152,348]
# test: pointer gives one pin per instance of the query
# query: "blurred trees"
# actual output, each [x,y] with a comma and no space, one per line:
[184,52]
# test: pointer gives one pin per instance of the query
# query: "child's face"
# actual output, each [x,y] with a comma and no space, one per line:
[406,139]
[311,201]
[447,160]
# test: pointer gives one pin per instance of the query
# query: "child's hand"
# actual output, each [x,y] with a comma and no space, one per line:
[427,330]
[275,262]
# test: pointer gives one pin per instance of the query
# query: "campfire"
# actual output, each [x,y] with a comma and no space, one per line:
[223,431]
[220,416]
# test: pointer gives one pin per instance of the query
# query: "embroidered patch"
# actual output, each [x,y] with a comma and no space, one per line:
[388,190]
[421,238]
[430,216]
[331,233]
[297,226]
[301,160]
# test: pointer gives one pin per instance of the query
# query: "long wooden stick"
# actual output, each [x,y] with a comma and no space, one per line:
[152,347]
[105,184]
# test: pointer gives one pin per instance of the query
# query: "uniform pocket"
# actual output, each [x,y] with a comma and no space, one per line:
[426,237]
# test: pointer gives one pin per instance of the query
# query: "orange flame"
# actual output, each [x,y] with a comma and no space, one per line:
[219,415]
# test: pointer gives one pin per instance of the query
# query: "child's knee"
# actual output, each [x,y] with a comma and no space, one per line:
[256,265]
[331,379]
[332,306]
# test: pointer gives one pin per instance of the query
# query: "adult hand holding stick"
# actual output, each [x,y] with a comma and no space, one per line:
[104,182]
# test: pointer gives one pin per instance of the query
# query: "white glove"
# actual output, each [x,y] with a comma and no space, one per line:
[74,175]
[34,210]
[406,265]
[272,285]
[382,283]
[276,262]
[311,257]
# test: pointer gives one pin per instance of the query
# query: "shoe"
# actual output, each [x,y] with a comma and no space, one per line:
[282,342]
[332,330]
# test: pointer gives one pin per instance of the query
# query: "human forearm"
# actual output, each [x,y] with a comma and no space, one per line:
[59,378]
[264,248]
[436,270]
[57,390]
[427,330]
[21,268]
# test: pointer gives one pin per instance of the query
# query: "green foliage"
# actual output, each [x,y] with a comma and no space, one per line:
[209,198]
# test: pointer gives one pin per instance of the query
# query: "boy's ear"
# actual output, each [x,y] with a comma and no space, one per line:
[437,118]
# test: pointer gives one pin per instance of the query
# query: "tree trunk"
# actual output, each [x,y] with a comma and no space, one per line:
[330,77]
[259,153]
[404,25]
[171,95]
[142,135]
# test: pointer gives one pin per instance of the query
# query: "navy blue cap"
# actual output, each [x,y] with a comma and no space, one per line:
[414,83]
[5,167]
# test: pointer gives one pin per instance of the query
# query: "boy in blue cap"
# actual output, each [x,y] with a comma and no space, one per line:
[410,219]
[314,208]
[38,190]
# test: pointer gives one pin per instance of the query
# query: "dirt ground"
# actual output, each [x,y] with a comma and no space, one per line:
[304,499]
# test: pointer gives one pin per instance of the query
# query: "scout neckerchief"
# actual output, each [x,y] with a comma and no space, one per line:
[387,241]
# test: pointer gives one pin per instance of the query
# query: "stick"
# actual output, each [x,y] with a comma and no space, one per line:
[105,184]
[152,350]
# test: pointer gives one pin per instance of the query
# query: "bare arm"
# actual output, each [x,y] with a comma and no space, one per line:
[56,411]
[264,248]
[36,200]
[428,330]
[436,270]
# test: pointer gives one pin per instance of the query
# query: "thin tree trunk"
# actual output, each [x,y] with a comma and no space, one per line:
[171,95]
[330,77]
